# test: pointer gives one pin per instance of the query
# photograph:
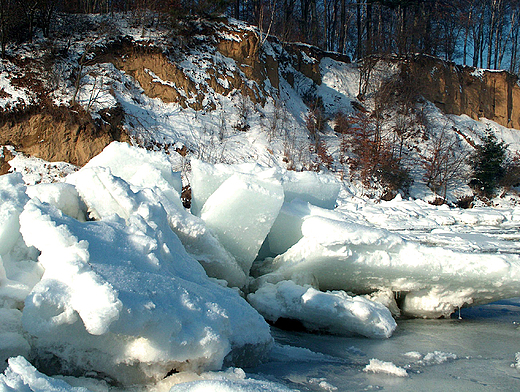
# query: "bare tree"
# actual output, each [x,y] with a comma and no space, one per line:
[443,162]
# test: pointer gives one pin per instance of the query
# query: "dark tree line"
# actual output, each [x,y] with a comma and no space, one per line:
[481,33]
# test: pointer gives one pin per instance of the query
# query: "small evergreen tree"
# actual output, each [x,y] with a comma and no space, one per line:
[488,164]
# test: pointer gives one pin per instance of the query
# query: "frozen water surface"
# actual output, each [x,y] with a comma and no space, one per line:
[474,353]
[478,352]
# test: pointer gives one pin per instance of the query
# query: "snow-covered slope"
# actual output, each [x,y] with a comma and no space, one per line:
[225,93]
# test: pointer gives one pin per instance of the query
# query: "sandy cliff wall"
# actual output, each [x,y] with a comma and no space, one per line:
[59,134]
[494,95]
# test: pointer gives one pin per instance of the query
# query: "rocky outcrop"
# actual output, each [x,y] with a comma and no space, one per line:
[61,134]
[477,93]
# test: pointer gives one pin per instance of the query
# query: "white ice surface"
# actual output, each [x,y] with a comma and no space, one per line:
[21,376]
[140,168]
[318,189]
[205,179]
[63,196]
[241,213]
[12,200]
[287,228]
[105,195]
[18,270]
[332,311]
[230,386]
[339,254]
[378,366]
[321,190]
[125,299]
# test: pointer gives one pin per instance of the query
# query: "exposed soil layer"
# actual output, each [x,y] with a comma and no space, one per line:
[494,95]
[61,133]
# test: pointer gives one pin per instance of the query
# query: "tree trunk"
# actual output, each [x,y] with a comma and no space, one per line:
[3,26]
[466,35]
[343,26]
[359,31]
[325,24]
[369,44]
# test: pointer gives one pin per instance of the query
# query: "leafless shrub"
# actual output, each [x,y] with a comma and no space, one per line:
[369,154]
[244,112]
[443,162]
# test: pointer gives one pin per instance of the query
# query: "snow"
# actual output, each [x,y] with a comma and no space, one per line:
[140,168]
[64,197]
[430,359]
[114,278]
[36,170]
[12,96]
[477,73]
[333,311]
[92,310]
[516,364]
[112,195]
[13,199]
[230,386]
[377,366]
[80,286]
[86,288]
[339,87]
[21,376]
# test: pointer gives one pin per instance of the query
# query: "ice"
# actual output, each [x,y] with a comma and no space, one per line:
[431,281]
[430,359]
[12,200]
[321,190]
[21,376]
[241,212]
[205,179]
[333,311]
[140,168]
[63,196]
[318,189]
[287,228]
[377,366]
[12,341]
[18,272]
[103,193]
[125,299]
[202,244]
[247,385]
[323,384]
[516,364]
[106,194]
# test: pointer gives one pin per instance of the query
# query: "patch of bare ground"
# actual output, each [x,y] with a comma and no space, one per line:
[60,133]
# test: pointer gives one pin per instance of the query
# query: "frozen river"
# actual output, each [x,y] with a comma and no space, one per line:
[474,353]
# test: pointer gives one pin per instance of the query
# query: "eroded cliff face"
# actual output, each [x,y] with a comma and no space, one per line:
[458,90]
[218,59]
[60,134]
